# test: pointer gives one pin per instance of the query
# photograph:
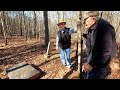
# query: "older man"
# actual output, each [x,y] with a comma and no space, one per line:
[63,41]
[101,46]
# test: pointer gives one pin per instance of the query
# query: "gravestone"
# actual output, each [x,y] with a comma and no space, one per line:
[22,71]
[49,49]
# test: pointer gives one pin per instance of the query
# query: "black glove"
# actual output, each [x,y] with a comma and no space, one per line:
[84,35]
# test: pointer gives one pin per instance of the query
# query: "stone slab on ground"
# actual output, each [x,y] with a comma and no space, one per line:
[22,71]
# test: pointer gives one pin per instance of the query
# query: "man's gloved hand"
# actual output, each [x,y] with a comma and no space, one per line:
[87,67]
[84,35]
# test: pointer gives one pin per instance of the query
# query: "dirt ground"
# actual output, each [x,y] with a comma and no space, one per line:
[32,52]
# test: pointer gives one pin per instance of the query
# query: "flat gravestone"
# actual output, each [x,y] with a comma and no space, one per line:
[49,49]
[22,71]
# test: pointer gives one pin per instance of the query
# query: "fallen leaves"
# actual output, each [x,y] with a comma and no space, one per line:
[19,50]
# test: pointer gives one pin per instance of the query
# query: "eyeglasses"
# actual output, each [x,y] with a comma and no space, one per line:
[85,20]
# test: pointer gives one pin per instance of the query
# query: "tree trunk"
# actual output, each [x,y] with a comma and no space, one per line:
[21,32]
[58,16]
[63,15]
[24,26]
[35,25]
[46,27]
[4,27]
[101,14]
[80,43]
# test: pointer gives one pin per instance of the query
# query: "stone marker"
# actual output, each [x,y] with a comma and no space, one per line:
[22,71]
[49,49]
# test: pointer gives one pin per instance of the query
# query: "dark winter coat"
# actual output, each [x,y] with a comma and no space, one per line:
[101,44]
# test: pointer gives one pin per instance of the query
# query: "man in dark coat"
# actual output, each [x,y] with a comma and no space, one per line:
[101,46]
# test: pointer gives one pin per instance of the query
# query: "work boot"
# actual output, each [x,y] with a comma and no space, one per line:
[68,66]
[64,64]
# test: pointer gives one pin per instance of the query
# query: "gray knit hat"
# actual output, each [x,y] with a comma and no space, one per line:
[91,13]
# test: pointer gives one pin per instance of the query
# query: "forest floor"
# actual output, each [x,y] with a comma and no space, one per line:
[32,52]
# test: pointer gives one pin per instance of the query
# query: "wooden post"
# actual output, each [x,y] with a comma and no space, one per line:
[80,43]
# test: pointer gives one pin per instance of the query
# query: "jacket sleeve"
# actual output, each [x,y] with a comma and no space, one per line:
[57,39]
[102,47]
[72,31]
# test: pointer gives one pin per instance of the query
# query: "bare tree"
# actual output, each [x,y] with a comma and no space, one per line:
[21,20]
[24,25]
[63,15]
[45,14]
[79,43]
[58,16]
[35,25]
[101,14]
[3,26]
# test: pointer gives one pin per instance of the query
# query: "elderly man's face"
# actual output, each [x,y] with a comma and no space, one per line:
[61,26]
[89,22]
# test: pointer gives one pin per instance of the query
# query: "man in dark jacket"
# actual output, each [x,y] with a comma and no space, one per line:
[101,46]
